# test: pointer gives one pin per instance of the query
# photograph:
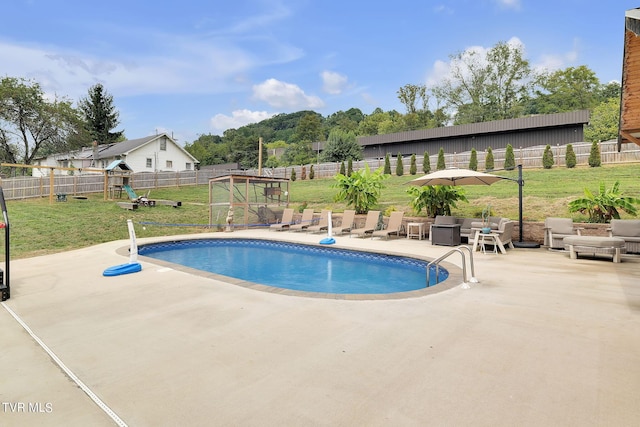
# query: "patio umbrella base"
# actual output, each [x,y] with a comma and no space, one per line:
[526,245]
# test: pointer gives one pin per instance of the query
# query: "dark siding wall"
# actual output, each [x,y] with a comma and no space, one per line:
[522,138]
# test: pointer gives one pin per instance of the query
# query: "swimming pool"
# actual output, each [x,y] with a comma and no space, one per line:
[298,267]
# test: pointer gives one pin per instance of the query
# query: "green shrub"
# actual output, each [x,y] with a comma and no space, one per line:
[441,165]
[426,163]
[547,157]
[293,174]
[473,160]
[413,168]
[399,166]
[349,167]
[312,174]
[604,206]
[360,190]
[509,158]
[342,168]
[594,156]
[436,199]
[489,161]
[570,157]
[387,165]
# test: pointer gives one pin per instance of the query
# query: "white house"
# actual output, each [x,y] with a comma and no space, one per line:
[157,153]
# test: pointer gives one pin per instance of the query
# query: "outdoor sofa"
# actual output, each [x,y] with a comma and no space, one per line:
[627,230]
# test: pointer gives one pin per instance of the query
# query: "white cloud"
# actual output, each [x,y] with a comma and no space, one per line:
[285,95]
[333,83]
[509,4]
[238,118]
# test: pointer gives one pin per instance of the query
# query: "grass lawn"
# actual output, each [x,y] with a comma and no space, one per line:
[38,227]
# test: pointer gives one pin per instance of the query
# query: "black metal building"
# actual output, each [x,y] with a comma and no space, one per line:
[552,129]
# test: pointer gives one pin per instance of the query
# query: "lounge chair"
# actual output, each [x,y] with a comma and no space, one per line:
[285,223]
[629,231]
[393,226]
[323,222]
[305,222]
[348,217]
[556,229]
[370,224]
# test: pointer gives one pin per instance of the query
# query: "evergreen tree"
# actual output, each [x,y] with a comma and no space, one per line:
[473,160]
[413,169]
[312,174]
[100,115]
[399,166]
[303,174]
[570,157]
[489,161]
[594,156]
[342,168]
[547,157]
[387,165]
[426,163]
[293,174]
[441,165]
[349,167]
[509,158]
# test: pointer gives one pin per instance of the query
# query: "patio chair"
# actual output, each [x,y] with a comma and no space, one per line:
[287,220]
[556,229]
[505,232]
[394,226]
[348,217]
[305,222]
[323,223]
[629,231]
[370,225]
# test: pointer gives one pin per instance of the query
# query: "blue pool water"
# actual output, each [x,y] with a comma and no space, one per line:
[298,267]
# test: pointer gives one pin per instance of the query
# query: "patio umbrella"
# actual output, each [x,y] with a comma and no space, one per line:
[457,177]
[470,177]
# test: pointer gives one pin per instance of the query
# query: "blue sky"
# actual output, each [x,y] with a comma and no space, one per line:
[198,67]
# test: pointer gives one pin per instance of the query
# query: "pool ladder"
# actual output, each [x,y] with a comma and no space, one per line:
[459,249]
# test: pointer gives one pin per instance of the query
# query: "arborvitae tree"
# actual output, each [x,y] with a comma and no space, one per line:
[570,157]
[349,167]
[426,163]
[342,168]
[387,165]
[413,169]
[488,161]
[509,158]
[312,174]
[547,157]
[473,160]
[441,164]
[303,174]
[293,174]
[594,157]
[399,166]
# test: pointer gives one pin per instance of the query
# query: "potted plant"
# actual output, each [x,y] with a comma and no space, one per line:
[486,213]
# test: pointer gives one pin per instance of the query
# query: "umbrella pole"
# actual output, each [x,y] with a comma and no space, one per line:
[520,243]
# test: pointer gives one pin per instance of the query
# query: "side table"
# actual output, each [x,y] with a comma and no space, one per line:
[414,229]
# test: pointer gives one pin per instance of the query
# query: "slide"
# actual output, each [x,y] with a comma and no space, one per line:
[132,194]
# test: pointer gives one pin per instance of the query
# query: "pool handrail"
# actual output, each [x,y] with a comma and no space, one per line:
[436,262]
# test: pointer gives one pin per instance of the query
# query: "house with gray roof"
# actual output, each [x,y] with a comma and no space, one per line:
[156,153]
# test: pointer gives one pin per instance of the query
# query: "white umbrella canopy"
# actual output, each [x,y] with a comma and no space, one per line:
[457,177]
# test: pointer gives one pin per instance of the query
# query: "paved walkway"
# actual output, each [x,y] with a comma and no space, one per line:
[541,340]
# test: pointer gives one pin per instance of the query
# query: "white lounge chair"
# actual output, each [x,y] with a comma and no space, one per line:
[370,224]
[305,222]
[394,226]
[348,217]
[285,222]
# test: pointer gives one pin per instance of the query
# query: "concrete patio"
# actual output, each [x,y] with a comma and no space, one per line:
[542,340]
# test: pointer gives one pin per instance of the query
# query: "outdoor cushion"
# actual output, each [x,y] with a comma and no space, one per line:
[625,227]
[595,241]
